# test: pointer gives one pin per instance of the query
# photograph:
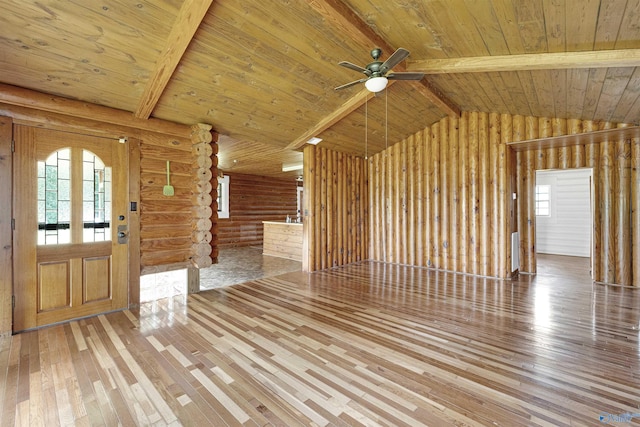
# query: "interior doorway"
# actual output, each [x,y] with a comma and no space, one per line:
[564,214]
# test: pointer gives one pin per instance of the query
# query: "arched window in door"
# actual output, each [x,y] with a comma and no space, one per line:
[66,197]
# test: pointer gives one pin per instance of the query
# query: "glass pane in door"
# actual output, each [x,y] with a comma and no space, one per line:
[96,199]
[54,199]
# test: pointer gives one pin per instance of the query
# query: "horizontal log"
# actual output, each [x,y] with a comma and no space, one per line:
[202,211]
[153,219]
[168,204]
[160,179]
[203,187]
[177,244]
[202,149]
[201,224]
[14,95]
[164,231]
[201,249]
[202,262]
[148,258]
[159,166]
[201,236]
[202,162]
[202,199]
[150,151]
[203,174]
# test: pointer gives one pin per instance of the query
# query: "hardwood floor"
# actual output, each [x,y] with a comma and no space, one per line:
[368,344]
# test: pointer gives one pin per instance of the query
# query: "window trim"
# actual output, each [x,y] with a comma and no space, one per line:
[223,196]
[538,200]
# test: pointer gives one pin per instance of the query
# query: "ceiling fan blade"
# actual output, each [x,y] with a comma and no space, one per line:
[351,84]
[405,76]
[354,67]
[398,56]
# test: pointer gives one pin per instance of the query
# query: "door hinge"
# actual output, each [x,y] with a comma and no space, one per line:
[13,301]
[13,224]
[13,145]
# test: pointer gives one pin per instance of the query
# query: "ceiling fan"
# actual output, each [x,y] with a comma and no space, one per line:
[377,72]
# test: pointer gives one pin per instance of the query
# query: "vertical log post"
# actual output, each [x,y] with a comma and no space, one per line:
[308,211]
[419,195]
[474,235]
[454,196]
[444,194]
[635,211]
[607,191]
[622,209]
[496,186]
[484,239]
[463,192]
[202,151]
[436,237]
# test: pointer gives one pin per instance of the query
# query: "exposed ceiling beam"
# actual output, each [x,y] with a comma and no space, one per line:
[187,22]
[348,23]
[529,62]
[344,110]
[13,95]
[434,95]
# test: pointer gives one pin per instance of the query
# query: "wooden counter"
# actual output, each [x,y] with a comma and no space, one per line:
[282,239]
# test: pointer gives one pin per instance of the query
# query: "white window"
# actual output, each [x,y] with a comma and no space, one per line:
[543,200]
[223,196]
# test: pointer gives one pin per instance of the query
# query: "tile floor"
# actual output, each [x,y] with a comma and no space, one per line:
[235,265]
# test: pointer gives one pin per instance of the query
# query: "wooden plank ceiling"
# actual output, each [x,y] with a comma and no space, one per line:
[263,73]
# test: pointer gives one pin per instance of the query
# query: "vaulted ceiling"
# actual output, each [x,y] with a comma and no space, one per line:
[263,72]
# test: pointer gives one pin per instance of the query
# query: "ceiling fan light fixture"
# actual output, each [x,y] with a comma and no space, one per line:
[376,84]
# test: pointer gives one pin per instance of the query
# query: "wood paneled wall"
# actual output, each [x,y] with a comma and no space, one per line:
[335,204]
[253,199]
[441,198]
[616,208]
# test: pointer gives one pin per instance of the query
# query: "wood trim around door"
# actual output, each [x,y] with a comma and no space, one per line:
[134,222]
[6,232]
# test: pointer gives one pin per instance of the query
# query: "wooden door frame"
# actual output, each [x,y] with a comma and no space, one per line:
[134,222]
[6,232]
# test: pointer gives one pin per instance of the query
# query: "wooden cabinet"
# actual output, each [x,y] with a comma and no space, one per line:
[282,239]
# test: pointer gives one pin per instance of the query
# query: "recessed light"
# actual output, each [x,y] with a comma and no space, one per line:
[315,140]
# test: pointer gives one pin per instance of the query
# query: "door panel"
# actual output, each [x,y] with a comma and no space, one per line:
[70,196]
[53,286]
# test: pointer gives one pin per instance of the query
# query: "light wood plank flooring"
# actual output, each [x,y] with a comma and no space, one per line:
[369,344]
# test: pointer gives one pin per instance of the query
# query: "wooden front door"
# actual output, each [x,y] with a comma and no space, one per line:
[70,251]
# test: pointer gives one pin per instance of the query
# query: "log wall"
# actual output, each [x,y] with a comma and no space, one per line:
[167,223]
[253,199]
[616,208]
[441,198]
[335,205]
